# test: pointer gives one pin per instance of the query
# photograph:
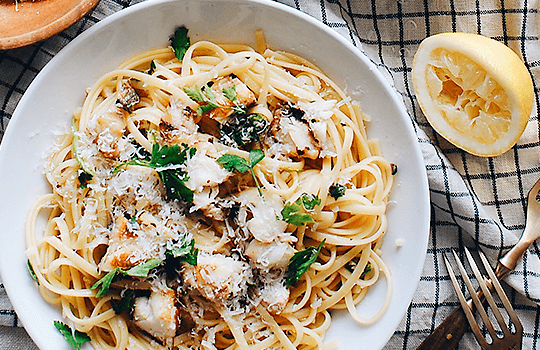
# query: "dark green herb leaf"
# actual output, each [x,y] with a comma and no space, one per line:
[195,93]
[233,162]
[292,214]
[205,109]
[184,251]
[105,282]
[152,68]
[206,96]
[230,93]
[337,191]
[300,263]
[242,129]
[167,160]
[310,201]
[295,213]
[123,304]
[31,271]
[74,338]
[143,269]
[255,156]
[367,269]
[83,178]
[180,42]
[174,182]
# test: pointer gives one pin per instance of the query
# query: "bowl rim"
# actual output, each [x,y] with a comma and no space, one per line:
[396,101]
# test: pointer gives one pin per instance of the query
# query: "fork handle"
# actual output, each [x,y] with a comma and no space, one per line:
[448,333]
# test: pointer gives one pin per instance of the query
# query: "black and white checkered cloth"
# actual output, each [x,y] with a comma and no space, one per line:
[475,202]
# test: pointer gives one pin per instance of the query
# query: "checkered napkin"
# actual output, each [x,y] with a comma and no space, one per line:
[475,202]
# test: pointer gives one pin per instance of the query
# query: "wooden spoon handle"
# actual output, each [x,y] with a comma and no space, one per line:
[448,333]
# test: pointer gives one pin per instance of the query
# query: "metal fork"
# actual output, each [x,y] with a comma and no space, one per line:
[509,340]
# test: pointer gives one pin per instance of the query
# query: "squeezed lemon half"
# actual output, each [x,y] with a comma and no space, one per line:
[474,91]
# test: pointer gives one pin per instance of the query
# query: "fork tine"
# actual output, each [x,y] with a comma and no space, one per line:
[489,297]
[464,305]
[504,299]
[474,296]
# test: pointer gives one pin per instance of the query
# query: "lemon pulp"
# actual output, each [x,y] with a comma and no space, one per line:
[469,99]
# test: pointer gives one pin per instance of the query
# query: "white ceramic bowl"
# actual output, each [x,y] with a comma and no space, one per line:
[50,100]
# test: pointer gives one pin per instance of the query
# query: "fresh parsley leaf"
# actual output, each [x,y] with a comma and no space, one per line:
[292,215]
[105,282]
[310,201]
[74,338]
[175,185]
[233,162]
[184,251]
[205,109]
[295,213]
[255,156]
[140,270]
[337,191]
[83,178]
[31,271]
[195,94]
[206,95]
[143,269]
[167,161]
[180,42]
[230,93]
[300,263]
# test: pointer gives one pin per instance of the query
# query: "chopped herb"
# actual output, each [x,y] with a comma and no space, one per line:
[183,251]
[105,282]
[140,270]
[123,304]
[206,96]
[337,191]
[31,271]
[152,68]
[367,269]
[352,265]
[295,213]
[73,337]
[233,162]
[242,129]
[85,168]
[230,93]
[143,269]
[300,263]
[84,178]
[167,161]
[310,201]
[180,42]
[133,219]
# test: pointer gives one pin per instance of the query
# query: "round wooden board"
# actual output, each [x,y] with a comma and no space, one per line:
[25,23]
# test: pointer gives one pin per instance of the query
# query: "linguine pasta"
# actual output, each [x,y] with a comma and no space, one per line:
[227,200]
